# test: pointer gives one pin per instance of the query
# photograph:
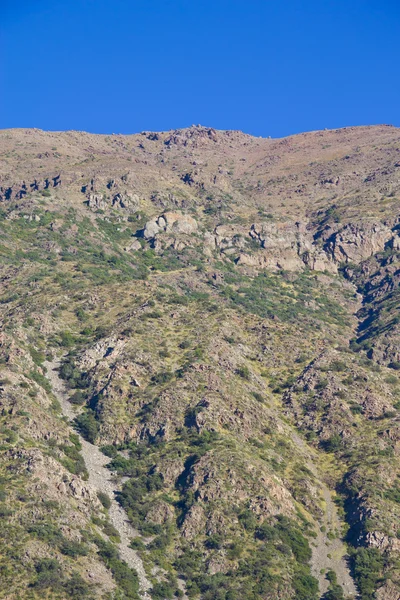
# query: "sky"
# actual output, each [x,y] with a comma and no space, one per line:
[269,68]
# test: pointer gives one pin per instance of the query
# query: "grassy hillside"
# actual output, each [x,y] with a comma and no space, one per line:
[224,312]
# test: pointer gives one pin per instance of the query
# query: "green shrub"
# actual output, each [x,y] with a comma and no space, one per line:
[243,372]
[248,519]
[76,587]
[73,548]
[368,565]
[104,499]
[335,592]
[71,374]
[337,366]
[322,384]
[333,444]
[67,339]
[163,591]
[266,532]
[41,380]
[78,398]
[305,585]
[37,356]
[109,451]
[163,377]
[74,462]
[49,574]
[137,544]
[46,532]
[215,541]
[87,425]
[292,536]
[126,578]
[393,494]
[110,530]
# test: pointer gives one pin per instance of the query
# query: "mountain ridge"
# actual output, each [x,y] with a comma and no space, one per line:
[224,310]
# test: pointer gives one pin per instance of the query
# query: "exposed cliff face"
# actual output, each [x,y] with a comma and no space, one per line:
[284,245]
[226,309]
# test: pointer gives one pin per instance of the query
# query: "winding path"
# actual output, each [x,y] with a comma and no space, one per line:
[100,479]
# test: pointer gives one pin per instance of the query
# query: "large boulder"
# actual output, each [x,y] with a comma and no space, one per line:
[170,222]
[151,229]
[179,223]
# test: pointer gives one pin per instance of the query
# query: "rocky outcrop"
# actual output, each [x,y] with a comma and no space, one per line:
[194,522]
[286,245]
[17,191]
[46,471]
[170,222]
[125,201]
[160,513]
[97,201]
[357,242]
[389,591]
[291,246]
[194,136]
[121,200]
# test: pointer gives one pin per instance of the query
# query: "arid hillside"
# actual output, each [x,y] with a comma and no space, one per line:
[199,353]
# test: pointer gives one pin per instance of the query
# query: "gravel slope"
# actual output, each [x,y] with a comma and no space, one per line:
[100,479]
[328,554]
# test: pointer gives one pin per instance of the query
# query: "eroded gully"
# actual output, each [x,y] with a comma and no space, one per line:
[328,551]
[100,478]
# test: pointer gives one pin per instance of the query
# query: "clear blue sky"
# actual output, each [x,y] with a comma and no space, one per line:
[265,67]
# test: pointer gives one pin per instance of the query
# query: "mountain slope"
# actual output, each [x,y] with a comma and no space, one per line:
[224,313]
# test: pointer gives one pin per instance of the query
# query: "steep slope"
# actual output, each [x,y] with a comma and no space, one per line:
[222,310]
[100,478]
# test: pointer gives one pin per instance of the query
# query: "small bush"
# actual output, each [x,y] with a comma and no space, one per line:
[87,425]
[163,591]
[305,586]
[37,357]
[41,380]
[109,451]
[163,377]
[333,444]
[46,532]
[137,544]
[125,577]
[248,520]
[49,574]
[110,530]
[73,548]
[243,372]
[337,366]
[104,499]
[78,398]
[76,587]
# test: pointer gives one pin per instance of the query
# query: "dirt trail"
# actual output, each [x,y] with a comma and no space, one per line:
[328,554]
[100,479]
